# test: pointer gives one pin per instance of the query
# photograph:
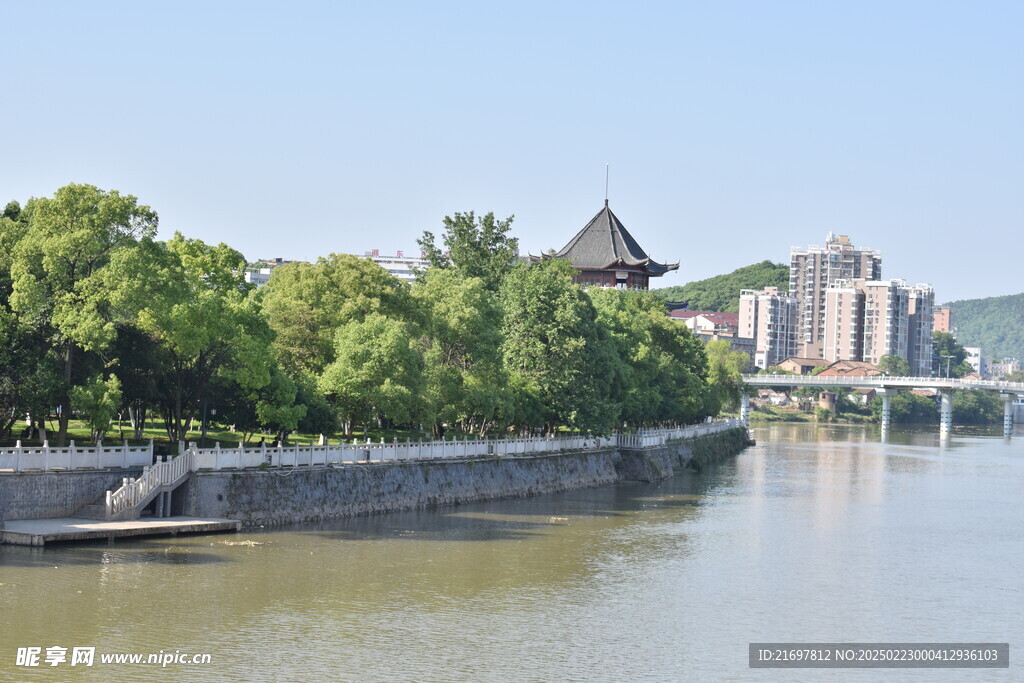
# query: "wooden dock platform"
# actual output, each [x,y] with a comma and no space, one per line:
[38,532]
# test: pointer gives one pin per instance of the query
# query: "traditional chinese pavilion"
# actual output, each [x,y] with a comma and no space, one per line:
[606,255]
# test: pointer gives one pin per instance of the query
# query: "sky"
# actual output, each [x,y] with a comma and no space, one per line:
[732,130]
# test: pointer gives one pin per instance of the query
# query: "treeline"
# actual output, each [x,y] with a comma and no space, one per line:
[99,319]
[995,324]
[722,292]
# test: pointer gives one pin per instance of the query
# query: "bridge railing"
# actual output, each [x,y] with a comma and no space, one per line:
[882,380]
[263,456]
[71,457]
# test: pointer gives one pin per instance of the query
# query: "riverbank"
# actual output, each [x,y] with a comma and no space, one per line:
[270,497]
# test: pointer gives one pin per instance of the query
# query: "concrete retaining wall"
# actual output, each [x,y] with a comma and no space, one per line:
[39,495]
[305,494]
[271,497]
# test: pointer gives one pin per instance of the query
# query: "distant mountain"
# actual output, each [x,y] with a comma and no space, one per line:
[995,324]
[722,292]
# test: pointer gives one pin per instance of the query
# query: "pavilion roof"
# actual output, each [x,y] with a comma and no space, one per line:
[604,243]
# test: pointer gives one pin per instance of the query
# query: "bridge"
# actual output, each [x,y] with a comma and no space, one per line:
[884,385]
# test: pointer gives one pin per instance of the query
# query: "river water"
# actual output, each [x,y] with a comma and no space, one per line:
[817,534]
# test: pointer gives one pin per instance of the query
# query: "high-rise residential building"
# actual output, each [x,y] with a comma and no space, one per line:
[865,320]
[921,311]
[943,319]
[886,320]
[843,331]
[813,270]
[771,318]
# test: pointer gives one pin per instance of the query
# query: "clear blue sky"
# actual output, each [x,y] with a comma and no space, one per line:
[733,129]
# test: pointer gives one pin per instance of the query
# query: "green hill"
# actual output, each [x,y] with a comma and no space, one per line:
[995,324]
[722,292]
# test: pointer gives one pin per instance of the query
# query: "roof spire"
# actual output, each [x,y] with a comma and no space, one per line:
[606,184]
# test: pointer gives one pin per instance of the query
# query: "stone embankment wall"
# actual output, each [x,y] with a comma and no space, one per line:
[41,495]
[272,496]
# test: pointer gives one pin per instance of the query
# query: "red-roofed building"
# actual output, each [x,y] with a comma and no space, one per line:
[708,322]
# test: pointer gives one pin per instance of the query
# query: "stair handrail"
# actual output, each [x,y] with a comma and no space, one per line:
[133,491]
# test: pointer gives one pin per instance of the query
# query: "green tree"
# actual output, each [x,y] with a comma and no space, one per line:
[465,382]
[1015,376]
[97,402]
[894,366]
[307,303]
[977,408]
[725,370]
[376,373]
[208,322]
[554,345]
[475,246]
[906,407]
[948,356]
[60,272]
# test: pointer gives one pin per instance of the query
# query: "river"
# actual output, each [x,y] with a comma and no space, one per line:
[817,534]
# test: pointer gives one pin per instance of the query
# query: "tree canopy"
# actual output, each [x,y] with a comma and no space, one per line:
[994,324]
[99,319]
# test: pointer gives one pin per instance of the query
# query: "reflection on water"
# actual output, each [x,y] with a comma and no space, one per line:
[816,534]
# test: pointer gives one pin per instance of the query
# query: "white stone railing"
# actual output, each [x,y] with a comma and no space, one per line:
[659,437]
[218,458]
[72,457]
[136,491]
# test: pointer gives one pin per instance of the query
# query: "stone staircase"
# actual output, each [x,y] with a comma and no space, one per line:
[92,511]
[131,499]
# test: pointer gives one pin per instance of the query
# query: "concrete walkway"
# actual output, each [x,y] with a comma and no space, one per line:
[62,529]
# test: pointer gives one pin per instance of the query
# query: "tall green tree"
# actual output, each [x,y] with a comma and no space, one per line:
[475,246]
[948,356]
[60,283]
[307,303]
[659,372]
[554,345]
[725,370]
[376,372]
[464,380]
[208,322]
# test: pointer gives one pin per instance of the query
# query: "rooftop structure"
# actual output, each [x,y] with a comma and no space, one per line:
[606,255]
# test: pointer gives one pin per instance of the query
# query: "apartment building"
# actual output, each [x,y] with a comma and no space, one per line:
[921,323]
[813,270]
[943,319]
[867,319]
[771,318]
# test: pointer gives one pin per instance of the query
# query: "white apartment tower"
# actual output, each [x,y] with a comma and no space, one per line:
[813,270]
[771,318]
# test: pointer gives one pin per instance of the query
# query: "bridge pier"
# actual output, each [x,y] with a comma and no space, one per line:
[1008,400]
[886,409]
[946,414]
[745,408]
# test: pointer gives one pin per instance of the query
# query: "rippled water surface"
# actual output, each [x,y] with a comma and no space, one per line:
[815,534]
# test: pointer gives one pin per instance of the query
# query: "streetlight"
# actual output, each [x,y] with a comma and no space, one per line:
[948,358]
